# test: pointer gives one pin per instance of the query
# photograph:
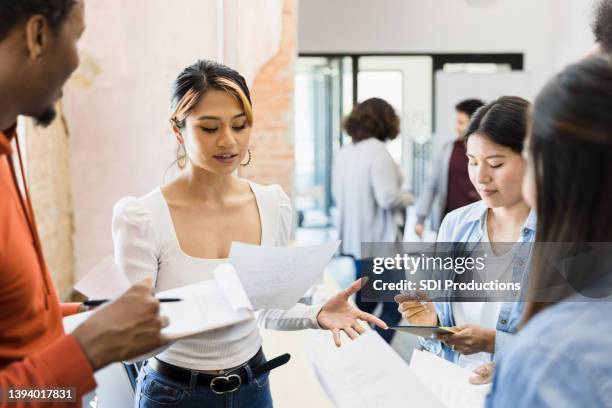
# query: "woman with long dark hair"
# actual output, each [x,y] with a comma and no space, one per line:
[501,223]
[561,356]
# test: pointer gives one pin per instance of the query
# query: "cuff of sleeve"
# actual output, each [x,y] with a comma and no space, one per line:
[312,313]
[70,308]
[67,362]
[502,339]
[421,219]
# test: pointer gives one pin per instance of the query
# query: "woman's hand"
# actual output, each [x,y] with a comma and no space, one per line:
[417,309]
[339,314]
[484,374]
[470,339]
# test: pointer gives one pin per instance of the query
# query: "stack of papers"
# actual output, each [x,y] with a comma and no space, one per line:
[205,306]
[449,382]
[366,373]
[255,278]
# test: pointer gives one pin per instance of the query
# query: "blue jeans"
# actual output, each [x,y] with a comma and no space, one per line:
[156,391]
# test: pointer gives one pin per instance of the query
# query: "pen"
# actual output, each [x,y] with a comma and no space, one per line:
[98,302]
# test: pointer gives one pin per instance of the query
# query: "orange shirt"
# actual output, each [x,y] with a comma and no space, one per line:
[34,351]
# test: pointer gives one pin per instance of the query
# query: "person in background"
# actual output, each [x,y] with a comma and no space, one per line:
[494,140]
[181,231]
[449,186]
[38,53]
[602,26]
[561,356]
[366,186]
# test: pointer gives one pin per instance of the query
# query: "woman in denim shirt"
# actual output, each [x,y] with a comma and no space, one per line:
[562,356]
[494,142]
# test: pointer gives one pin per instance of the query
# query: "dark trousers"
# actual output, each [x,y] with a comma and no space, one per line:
[389,315]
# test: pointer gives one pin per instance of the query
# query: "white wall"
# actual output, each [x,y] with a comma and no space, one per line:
[117,103]
[573,37]
[537,28]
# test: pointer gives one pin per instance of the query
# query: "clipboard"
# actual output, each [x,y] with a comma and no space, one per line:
[423,331]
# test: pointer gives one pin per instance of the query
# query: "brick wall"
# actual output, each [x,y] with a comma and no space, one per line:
[73,208]
[48,172]
[272,95]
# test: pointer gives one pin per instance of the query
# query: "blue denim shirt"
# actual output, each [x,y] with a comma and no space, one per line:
[561,358]
[464,225]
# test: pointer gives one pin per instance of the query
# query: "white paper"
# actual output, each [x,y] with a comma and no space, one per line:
[448,381]
[366,373]
[104,281]
[277,277]
[206,305]
[73,321]
[226,276]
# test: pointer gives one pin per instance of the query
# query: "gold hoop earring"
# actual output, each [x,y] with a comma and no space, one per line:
[248,161]
[181,156]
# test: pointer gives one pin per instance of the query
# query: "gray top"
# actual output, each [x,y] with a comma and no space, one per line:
[432,200]
[366,186]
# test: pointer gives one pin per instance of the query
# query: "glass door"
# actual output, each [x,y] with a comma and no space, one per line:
[323,95]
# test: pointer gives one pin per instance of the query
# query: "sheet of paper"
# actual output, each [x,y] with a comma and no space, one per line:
[206,305]
[448,381]
[230,285]
[366,373]
[277,277]
[71,322]
[104,281]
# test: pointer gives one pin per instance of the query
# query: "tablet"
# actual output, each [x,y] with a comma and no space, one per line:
[423,331]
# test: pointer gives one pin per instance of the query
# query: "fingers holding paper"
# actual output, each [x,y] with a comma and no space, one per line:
[339,314]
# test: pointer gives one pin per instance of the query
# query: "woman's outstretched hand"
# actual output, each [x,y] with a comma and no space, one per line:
[338,314]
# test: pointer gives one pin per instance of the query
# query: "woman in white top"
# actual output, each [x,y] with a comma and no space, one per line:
[366,187]
[181,231]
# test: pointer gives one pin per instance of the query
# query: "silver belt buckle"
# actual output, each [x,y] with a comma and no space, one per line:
[225,379]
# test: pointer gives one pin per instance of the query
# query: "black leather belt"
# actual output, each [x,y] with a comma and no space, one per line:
[222,383]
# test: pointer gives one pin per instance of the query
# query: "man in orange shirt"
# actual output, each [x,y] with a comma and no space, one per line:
[38,54]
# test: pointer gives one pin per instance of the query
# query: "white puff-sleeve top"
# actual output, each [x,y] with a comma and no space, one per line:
[146,245]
